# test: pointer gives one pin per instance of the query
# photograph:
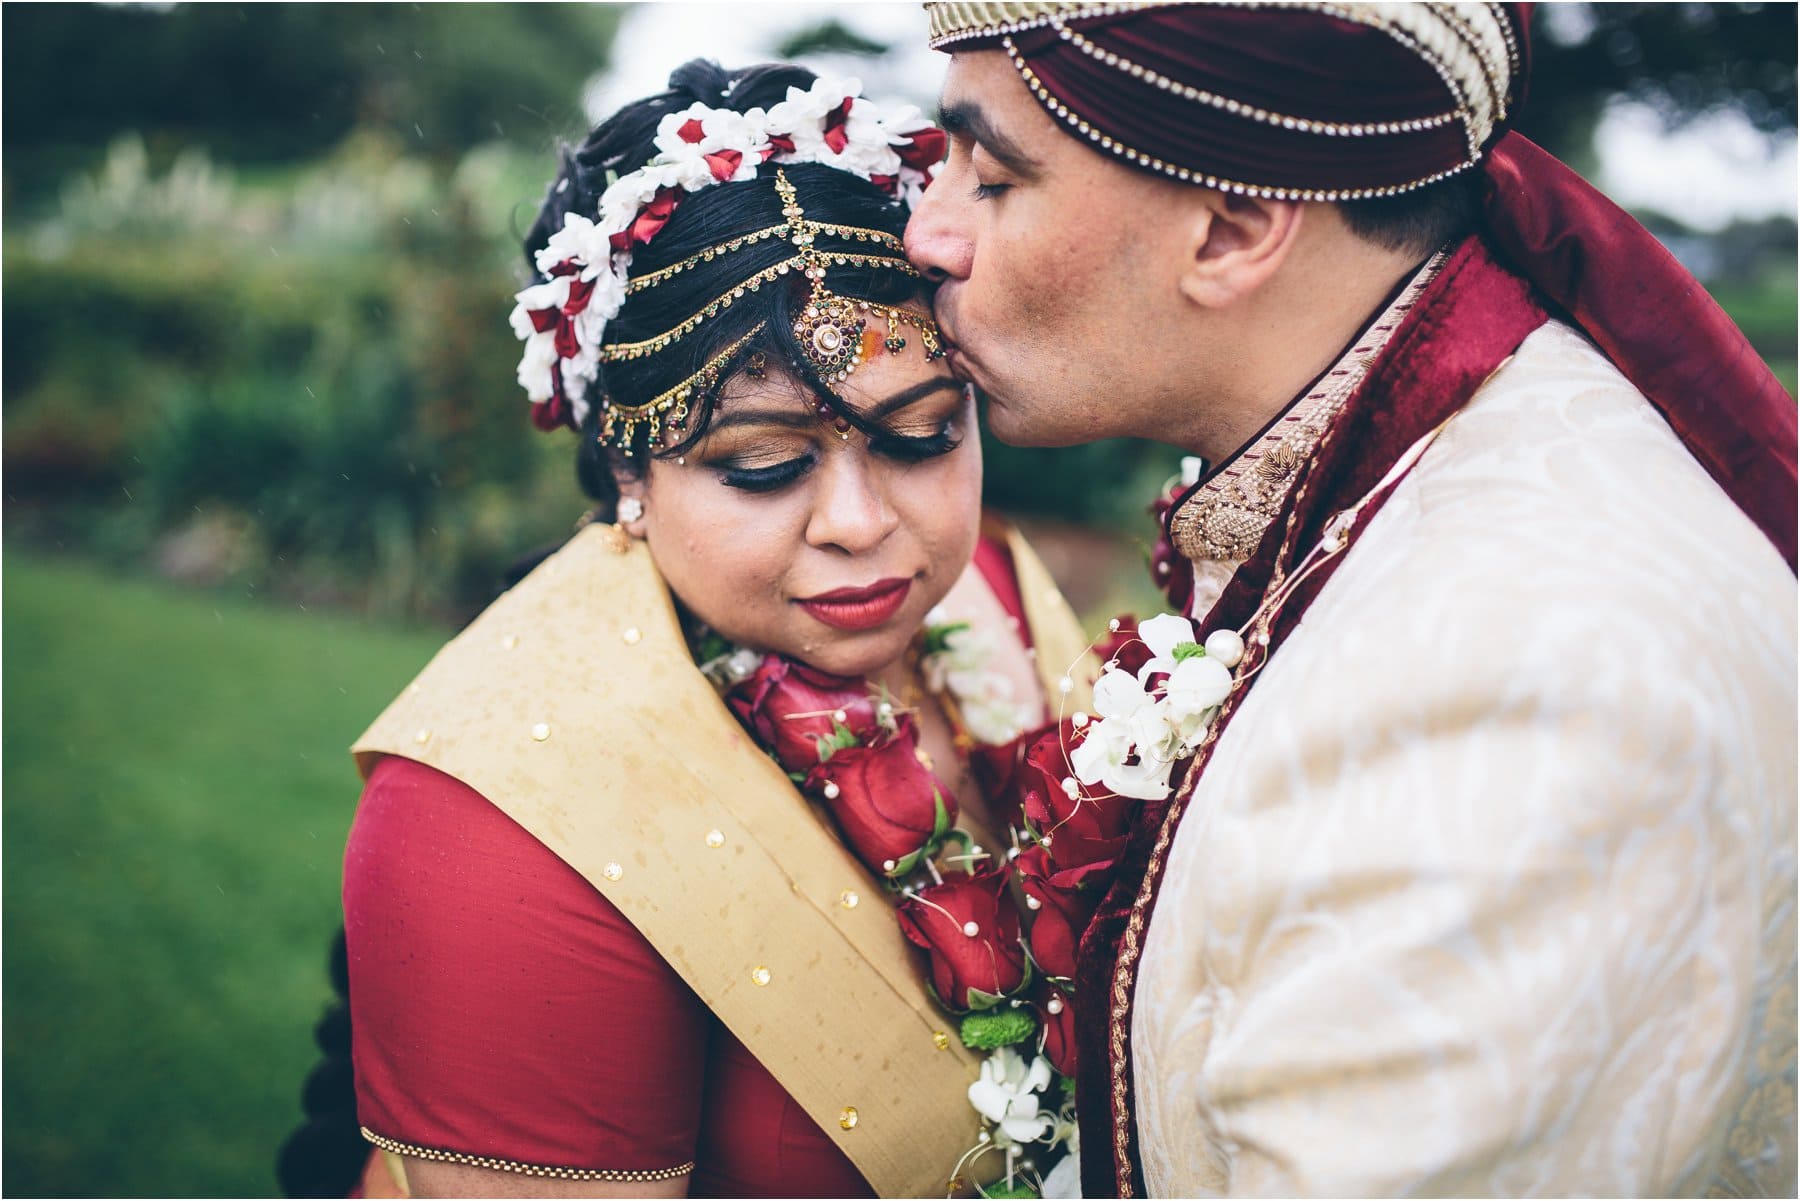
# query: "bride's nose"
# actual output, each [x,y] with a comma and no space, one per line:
[850,511]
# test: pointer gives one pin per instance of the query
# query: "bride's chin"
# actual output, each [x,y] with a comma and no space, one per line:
[853,655]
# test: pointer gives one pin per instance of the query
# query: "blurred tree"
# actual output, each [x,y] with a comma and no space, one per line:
[277,82]
[1684,59]
[828,37]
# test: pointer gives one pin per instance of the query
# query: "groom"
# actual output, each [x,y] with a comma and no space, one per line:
[1485,880]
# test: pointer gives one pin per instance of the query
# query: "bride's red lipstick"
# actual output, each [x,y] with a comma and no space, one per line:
[858,608]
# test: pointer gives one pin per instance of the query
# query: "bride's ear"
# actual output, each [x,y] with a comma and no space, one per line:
[1235,244]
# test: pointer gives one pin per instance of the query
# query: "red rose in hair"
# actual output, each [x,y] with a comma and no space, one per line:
[1086,829]
[887,804]
[1056,1009]
[1066,901]
[790,707]
[968,971]
[926,150]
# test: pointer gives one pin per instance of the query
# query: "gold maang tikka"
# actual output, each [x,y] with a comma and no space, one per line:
[835,332]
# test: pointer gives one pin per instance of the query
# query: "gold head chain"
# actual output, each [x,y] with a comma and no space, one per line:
[835,332]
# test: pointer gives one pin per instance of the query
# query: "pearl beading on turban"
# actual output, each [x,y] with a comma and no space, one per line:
[1469,47]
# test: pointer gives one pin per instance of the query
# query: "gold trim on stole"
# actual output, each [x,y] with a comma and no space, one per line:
[573,705]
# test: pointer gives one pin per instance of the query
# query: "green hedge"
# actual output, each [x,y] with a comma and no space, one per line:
[343,424]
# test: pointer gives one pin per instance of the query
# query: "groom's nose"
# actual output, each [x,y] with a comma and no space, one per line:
[937,240]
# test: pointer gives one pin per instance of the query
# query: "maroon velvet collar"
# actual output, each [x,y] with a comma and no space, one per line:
[1471,318]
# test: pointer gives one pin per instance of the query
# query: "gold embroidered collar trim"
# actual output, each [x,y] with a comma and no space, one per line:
[1226,515]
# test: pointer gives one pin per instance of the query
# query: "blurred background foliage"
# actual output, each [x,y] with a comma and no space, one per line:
[260,426]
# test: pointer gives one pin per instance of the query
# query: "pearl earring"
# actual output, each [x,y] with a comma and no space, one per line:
[630,509]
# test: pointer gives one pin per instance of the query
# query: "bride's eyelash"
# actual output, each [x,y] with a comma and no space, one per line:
[904,448]
[916,449]
[765,479]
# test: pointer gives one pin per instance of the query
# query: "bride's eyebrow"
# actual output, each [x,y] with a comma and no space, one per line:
[791,418]
[912,395]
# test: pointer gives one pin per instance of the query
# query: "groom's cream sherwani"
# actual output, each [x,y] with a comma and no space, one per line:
[1525,927]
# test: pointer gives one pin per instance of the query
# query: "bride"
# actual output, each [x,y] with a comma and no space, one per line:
[637,887]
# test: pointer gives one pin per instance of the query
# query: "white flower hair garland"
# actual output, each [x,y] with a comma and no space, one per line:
[587,261]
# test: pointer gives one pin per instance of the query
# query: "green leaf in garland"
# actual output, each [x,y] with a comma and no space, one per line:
[1018,1188]
[997,1028]
[904,867]
[983,1000]
[1188,650]
[712,646]
[937,638]
[941,825]
[841,739]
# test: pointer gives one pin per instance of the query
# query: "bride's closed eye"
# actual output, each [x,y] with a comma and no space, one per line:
[916,448]
[762,479]
[735,472]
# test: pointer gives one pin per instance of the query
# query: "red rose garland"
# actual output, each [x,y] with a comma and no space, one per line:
[999,933]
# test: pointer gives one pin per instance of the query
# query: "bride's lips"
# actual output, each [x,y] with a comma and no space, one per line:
[858,608]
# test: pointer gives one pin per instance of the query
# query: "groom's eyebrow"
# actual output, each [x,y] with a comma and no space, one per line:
[965,119]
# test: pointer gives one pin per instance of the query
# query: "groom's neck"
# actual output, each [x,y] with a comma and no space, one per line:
[1259,356]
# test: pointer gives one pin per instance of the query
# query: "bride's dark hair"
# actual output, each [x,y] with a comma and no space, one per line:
[623,143]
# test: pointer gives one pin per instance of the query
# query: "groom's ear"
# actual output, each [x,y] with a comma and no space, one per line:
[1235,244]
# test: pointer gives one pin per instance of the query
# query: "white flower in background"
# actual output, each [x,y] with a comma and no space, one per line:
[984,697]
[1007,1096]
[996,720]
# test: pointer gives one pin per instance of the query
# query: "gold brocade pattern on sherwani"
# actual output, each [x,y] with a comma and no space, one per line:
[1224,520]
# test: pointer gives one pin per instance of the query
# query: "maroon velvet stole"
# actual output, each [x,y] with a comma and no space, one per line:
[1468,321]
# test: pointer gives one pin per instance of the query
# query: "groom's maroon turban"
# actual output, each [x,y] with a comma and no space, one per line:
[1334,102]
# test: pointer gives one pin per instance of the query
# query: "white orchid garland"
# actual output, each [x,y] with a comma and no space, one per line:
[1145,726]
[586,263]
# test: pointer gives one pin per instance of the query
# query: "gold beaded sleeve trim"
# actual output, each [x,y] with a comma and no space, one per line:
[526,1169]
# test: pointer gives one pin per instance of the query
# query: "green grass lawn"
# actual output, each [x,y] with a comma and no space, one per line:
[176,795]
